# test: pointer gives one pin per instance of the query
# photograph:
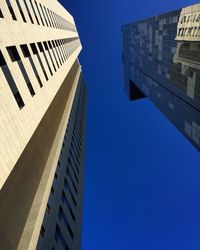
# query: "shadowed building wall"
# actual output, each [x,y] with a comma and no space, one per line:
[161,61]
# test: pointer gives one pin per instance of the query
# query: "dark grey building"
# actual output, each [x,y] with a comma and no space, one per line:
[161,61]
[61,228]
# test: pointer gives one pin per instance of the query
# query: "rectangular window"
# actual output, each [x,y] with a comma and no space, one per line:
[45,45]
[43,14]
[13,53]
[11,10]
[27,54]
[45,57]
[35,52]
[50,16]
[62,217]
[65,200]
[14,56]
[52,190]
[42,231]
[34,48]
[47,16]
[2,59]
[29,13]
[59,237]
[21,11]
[54,45]
[26,78]
[40,47]
[11,82]
[34,12]
[25,50]
[69,189]
[1,14]
[47,49]
[48,209]
[39,13]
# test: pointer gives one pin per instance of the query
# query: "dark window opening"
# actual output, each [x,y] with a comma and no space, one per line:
[45,45]
[48,209]
[40,47]
[1,14]
[26,78]
[13,53]
[34,48]
[2,59]
[43,14]
[56,176]
[20,10]
[29,14]
[52,190]
[25,50]
[70,231]
[34,13]
[39,13]
[50,46]
[11,10]
[11,82]
[42,231]
[59,236]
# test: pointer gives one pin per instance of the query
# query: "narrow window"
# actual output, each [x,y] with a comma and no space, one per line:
[62,217]
[25,50]
[1,14]
[43,14]
[27,54]
[34,12]
[45,57]
[21,11]
[13,53]
[47,16]
[11,10]
[59,49]
[39,13]
[57,52]
[42,231]
[34,48]
[47,49]
[55,20]
[29,13]
[56,176]
[65,200]
[51,47]
[40,47]
[50,16]
[52,190]
[14,56]
[11,82]
[48,209]
[59,237]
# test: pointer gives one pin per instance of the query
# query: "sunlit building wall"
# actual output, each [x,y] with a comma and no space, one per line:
[42,120]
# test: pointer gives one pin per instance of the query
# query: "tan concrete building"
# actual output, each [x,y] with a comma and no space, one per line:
[42,120]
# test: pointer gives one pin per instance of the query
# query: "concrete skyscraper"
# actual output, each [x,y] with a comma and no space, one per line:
[42,127]
[161,61]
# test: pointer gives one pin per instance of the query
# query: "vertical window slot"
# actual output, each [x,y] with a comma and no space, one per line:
[11,81]
[11,10]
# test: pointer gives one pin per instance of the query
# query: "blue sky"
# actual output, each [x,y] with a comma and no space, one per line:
[142,177]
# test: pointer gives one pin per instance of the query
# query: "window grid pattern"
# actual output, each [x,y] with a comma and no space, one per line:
[36,11]
[47,53]
[65,203]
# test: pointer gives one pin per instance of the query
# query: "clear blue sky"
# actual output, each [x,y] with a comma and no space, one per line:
[142,177]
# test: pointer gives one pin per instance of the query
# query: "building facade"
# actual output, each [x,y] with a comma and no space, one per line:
[161,61]
[42,121]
